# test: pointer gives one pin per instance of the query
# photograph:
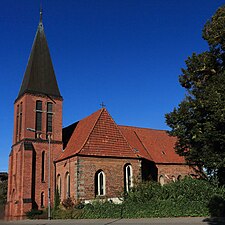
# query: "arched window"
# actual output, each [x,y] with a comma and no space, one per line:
[43,166]
[100,183]
[179,177]
[161,180]
[59,184]
[38,125]
[67,185]
[17,122]
[173,178]
[42,200]
[21,116]
[128,177]
[49,117]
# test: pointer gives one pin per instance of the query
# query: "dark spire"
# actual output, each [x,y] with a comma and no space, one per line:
[39,77]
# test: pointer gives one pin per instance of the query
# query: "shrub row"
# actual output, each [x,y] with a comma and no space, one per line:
[188,197]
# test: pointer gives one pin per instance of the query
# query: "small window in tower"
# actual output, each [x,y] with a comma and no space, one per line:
[39,105]
[20,116]
[42,200]
[49,117]
[38,126]
[43,166]
[17,122]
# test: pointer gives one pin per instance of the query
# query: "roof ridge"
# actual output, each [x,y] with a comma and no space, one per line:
[144,128]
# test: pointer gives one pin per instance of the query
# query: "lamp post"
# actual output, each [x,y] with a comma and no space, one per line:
[49,170]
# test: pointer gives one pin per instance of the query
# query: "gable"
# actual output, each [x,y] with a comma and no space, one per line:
[96,135]
[107,140]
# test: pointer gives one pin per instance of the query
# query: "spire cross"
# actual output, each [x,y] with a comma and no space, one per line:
[41,13]
[102,105]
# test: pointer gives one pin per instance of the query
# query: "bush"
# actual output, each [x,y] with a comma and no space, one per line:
[68,203]
[188,197]
[35,214]
[217,206]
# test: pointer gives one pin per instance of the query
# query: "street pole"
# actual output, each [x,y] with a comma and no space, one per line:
[49,171]
[49,176]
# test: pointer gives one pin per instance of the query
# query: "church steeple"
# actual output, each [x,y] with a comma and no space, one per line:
[39,77]
[38,107]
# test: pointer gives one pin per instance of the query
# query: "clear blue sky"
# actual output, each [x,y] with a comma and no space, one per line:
[126,53]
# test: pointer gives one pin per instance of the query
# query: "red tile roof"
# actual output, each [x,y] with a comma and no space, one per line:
[99,135]
[155,145]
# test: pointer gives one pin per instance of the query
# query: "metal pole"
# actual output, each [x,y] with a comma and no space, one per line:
[49,177]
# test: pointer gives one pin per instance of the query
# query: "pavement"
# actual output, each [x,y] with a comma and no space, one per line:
[150,221]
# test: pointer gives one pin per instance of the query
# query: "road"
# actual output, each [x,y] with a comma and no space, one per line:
[151,221]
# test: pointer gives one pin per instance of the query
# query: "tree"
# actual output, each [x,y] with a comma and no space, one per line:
[199,120]
[3,192]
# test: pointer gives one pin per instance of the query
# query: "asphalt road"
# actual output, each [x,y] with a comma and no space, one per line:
[152,221]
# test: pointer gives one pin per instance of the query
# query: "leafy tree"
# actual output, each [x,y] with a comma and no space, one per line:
[199,120]
[3,192]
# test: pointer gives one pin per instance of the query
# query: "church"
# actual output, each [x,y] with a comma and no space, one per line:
[93,158]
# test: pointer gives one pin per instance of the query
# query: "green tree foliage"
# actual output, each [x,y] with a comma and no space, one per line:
[3,192]
[188,197]
[199,120]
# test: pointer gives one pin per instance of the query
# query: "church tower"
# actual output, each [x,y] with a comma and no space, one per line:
[37,136]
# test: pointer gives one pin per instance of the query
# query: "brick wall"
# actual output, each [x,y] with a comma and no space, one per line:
[25,184]
[172,172]
[82,174]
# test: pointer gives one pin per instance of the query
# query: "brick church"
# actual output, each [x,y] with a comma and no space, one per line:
[91,158]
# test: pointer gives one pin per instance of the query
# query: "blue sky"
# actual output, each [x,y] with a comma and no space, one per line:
[125,53]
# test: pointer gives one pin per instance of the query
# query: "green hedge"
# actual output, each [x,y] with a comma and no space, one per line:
[189,197]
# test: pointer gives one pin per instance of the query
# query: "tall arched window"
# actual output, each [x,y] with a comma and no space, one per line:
[17,122]
[42,200]
[43,166]
[49,117]
[128,177]
[21,116]
[100,183]
[67,185]
[59,184]
[38,125]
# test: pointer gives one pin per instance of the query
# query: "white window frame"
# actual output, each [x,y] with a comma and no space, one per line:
[67,185]
[99,174]
[128,177]
[161,180]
